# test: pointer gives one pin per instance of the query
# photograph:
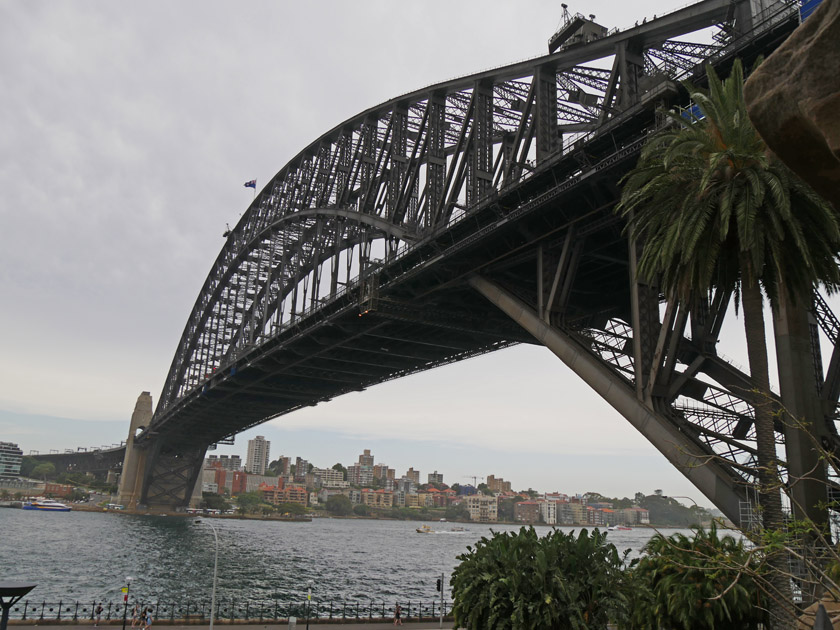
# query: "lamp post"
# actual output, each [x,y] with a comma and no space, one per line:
[127,590]
[308,601]
[215,570]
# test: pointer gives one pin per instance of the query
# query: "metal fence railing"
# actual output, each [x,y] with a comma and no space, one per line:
[230,611]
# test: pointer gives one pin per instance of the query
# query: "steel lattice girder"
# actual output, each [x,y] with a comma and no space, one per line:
[348,268]
[394,173]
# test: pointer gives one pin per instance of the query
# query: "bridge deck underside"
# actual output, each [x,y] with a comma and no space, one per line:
[551,240]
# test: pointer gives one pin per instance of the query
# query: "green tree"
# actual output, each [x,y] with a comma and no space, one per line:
[701,583]
[248,502]
[519,581]
[713,209]
[213,501]
[340,468]
[291,508]
[457,513]
[506,508]
[27,464]
[42,471]
[339,505]
[361,510]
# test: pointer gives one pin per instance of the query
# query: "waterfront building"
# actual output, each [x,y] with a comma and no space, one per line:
[414,475]
[497,485]
[377,498]
[526,512]
[548,512]
[257,460]
[280,494]
[355,496]
[482,508]
[11,457]
[435,477]
[595,516]
[636,516]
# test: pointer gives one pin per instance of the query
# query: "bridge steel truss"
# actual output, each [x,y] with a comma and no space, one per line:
[460,219]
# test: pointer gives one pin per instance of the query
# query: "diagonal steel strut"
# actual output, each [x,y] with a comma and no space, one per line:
[721,485]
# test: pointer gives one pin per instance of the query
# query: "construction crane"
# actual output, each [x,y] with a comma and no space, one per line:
[475,479]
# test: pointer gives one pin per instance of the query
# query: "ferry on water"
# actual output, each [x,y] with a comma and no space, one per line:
[46,505]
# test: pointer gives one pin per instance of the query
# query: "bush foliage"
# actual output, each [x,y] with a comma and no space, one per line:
[527,582]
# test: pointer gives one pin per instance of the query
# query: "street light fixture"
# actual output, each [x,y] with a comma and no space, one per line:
[308,601]
[125,599]
[215,570]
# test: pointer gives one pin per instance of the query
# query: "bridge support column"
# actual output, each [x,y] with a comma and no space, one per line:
[709,475]
[804,423]
[134,463]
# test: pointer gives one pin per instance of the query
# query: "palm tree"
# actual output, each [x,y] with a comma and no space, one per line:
[713,208]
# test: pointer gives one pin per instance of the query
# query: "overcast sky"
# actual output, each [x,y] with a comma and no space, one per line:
[128,130]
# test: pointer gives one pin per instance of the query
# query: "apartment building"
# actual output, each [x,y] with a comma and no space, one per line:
[257,459]
[377,498]
[435,477]
[482,508]
[228,462]
[497,484]
[526,512]
[301,469]
[329,478]
[11,457]
[413,475]
[279,494]
[548,512]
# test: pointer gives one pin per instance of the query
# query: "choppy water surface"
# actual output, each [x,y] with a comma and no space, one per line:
[86,556]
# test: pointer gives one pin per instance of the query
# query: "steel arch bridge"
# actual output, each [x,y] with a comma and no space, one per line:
[465,217]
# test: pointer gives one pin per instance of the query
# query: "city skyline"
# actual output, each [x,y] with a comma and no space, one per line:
[127,161]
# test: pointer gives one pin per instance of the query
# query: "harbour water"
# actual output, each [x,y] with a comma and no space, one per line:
[86,556]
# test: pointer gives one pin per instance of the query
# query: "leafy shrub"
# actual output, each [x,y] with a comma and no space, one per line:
[695,584]
[520,581]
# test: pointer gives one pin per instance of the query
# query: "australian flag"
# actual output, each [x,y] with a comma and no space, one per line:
[251,184]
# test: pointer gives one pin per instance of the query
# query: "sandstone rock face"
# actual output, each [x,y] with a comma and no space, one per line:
[793,99]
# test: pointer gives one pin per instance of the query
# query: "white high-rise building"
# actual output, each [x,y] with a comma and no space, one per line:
[257,460]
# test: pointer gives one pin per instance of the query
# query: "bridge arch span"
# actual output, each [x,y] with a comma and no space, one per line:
[456,220]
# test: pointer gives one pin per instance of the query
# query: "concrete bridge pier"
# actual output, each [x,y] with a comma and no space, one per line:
[134,464]
[154,478]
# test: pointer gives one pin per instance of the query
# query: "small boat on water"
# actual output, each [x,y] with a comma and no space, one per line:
[46,505]
[425,529]
[458,528]
[619,528]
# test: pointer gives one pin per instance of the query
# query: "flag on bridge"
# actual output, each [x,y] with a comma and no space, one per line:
[251,184]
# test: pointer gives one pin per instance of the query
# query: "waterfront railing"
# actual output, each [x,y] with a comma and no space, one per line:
[230,611]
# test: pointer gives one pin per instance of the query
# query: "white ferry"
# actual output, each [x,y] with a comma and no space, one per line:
[46,505]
